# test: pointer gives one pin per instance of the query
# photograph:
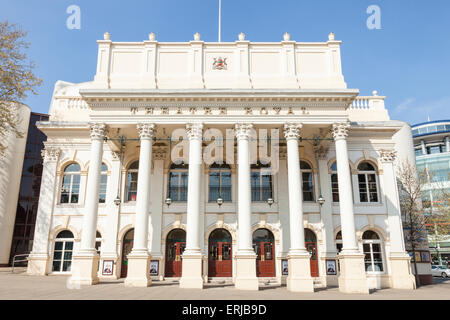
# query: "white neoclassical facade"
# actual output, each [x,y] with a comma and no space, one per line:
[245,162]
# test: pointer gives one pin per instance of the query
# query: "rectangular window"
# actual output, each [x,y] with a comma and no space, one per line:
[308,194]
[362,188]
[103,183]
[335,187]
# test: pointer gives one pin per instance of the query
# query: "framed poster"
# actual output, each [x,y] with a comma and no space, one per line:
[108,266]
[331,267]
[284,267]
[425,256]
[417,256]
[154,267]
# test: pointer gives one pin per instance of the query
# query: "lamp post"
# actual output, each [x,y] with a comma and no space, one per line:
[219,201]
[270,201]
[168,202]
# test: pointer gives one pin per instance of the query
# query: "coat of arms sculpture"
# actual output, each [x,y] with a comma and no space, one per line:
[220,63]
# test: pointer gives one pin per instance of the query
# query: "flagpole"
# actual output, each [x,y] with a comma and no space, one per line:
[220,14]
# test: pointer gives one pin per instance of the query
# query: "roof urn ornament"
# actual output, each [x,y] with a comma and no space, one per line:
[107,36]
[287,36]
[331,36]
[197,36]
[241,36]
[152,36]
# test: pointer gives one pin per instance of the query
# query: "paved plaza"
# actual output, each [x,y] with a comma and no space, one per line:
[21,286]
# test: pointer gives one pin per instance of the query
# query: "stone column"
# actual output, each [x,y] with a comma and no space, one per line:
[191,276]
[447,144]
[352,278]
[245,255]
[400,262]
[39,257]
[157,201]
[85,261]
[326,215]
[299,278]
[138,274]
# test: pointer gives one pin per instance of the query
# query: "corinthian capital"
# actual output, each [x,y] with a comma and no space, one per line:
[292,130]
[194,131]
[98,130]
[243,130]
[146,130]
[387,155]
[50,154]
[340,130]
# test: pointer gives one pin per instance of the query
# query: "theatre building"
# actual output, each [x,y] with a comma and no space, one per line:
[240,161]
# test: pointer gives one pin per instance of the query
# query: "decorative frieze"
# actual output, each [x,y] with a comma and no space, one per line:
[387,155]
[292,130]
[340,130]
[159,154]
[50,154]
[98,131]
[146,130]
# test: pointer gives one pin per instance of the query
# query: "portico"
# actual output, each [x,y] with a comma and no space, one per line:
[224,172]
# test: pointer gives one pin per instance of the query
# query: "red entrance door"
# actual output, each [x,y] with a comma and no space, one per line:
[265,262]
[312,249]
[219,260]
[127,246]
[174,252]
[311,246]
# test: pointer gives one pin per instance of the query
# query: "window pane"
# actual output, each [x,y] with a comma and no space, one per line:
[307,186]
[103,184]
[214,186]
[57,255]
[266,187]
[58,245]
[183,186]
[56,265]
[173,186]
[255,183]
[69,245]
[67,265]
[226,186]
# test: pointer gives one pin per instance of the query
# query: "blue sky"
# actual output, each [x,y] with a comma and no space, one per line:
[408,59]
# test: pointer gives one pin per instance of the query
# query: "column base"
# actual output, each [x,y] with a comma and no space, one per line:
[38,264]
[299,278]
[246,278]
[138,274]
[352,278]
[191,272]
[84,268]
[401,275]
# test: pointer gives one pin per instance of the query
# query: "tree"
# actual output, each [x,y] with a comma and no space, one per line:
[410,194]
[16,79]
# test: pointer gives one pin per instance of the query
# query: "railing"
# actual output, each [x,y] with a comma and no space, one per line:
[363,103]
[23,260]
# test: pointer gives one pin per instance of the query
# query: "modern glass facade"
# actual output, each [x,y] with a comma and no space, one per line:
[432,149]
[27,205]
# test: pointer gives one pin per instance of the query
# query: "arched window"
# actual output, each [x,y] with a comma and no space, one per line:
[178,182]
[367,182]
[132,178]
[70,189]
[98,246]
[307,179]
[373,255]
[261,182]
[339,241]
[219,182]
[103,183]
[62,255]
[334,182]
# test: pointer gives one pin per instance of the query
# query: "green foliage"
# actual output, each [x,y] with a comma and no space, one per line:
[16,79]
